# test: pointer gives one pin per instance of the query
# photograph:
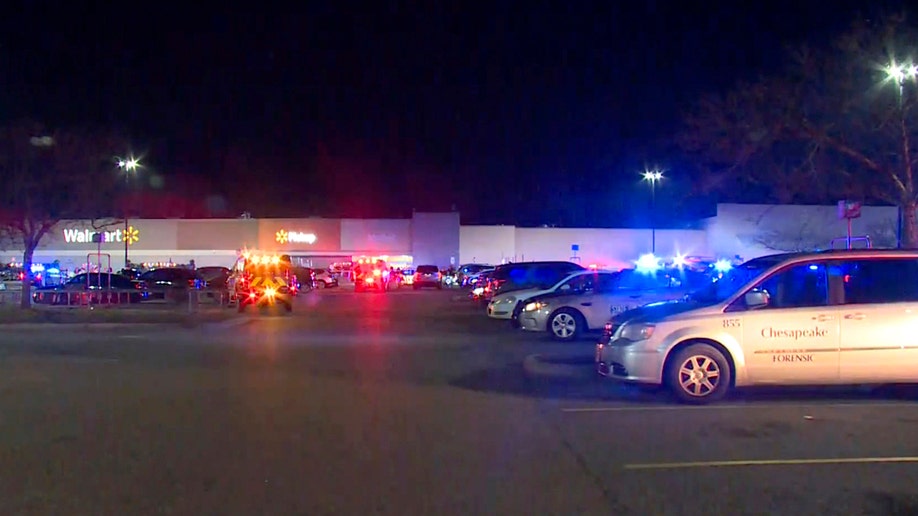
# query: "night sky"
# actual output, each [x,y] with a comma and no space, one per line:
[523,113]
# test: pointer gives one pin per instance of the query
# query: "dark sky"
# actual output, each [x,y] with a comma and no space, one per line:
[515,112]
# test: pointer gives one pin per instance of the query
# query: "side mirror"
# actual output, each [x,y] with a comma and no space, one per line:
[756,299]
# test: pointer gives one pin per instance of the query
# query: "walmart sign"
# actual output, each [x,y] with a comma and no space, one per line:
[85,236]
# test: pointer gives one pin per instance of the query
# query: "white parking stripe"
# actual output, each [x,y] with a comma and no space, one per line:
[772,462]
[651,408]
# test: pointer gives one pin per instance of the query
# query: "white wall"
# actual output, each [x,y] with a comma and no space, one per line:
[751,230]
[391,236]
[612,248]
[486,244]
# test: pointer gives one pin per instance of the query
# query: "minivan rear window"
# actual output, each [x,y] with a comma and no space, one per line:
[427,269]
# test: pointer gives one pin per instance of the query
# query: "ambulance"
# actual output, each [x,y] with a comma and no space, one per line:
[263,280]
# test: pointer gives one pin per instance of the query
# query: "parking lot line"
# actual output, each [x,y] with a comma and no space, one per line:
[771,462]
[759,405]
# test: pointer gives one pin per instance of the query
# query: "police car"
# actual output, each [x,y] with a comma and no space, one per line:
[566,314]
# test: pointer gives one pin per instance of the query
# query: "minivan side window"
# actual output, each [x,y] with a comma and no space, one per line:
[798,286]
[877,280]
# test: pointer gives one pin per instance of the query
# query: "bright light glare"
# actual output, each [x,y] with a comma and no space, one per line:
[648,263]
[653,175]
[128,164]
[679,261]
[896,72]
[900,73]
[722,265]
[270,292]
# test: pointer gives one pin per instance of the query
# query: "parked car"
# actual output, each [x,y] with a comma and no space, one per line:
[509,305]
[566,315]
[325,279]
[171,283]
[525,275]
[837,317]
[214,277]
[466,271]
[427,276]
[92,288]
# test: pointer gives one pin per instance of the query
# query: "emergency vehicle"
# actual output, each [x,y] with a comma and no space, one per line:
[262,280]
[371,275]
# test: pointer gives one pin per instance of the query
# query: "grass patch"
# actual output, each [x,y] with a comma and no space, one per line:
[151,315]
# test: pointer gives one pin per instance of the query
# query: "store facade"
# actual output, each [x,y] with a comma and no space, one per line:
[438,239]
[426,238]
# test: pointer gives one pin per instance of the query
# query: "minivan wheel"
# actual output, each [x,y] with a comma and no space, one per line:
[699,374]
[566,324]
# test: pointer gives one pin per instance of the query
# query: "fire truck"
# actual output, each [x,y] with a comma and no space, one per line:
[263,280]
[371,275]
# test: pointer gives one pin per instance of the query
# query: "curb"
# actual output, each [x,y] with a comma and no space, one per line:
[560,366]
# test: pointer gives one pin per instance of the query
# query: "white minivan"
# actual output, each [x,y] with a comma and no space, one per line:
[836,317]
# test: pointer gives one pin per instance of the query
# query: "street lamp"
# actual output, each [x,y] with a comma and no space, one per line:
[129,166]
[653,176]
[899,73]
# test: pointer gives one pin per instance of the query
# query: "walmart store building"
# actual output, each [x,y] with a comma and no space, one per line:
[438,239]
[426,238]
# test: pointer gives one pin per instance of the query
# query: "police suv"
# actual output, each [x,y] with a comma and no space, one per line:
[836,317]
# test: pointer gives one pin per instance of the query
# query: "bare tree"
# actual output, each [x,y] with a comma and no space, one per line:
[839,122]
[802,237]
[49,175]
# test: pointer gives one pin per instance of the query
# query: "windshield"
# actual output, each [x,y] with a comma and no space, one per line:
[729,282]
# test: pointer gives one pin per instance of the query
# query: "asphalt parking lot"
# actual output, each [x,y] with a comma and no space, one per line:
[413,402]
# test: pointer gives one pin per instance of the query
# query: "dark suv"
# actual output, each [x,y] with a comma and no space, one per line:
[427,276]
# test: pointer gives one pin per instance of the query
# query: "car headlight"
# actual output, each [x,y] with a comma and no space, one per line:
[637,332]
[535,305]
[478,291]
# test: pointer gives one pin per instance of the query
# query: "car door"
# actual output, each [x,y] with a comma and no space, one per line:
[630,291]
[879,319]
[600,300]
[794,337]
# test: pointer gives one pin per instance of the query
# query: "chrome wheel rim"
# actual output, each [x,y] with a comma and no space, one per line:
[563,326]
[699,376]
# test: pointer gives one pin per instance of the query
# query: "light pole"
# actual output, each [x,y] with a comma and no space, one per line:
[900,73]
[129,166]
[653,176]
